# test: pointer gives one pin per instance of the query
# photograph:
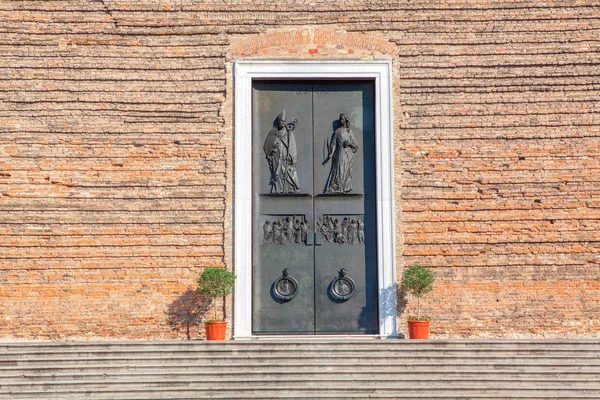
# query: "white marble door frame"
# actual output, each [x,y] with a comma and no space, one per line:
[381,73]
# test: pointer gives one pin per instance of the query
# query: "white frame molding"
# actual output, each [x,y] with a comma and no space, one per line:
[244,72]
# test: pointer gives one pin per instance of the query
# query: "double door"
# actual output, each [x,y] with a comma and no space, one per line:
[314,208]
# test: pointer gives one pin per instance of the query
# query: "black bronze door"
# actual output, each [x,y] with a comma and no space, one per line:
[314,208]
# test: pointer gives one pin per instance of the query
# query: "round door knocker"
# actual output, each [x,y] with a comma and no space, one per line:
[285,288]
[342,287]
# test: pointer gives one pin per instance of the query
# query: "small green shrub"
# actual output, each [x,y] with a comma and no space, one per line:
[417,281]
[421,318]
[216,282]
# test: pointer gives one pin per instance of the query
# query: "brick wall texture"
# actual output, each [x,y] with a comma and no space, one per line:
[116,161]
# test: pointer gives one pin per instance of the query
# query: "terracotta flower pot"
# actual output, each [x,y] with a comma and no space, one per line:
[418,329]
[215,330]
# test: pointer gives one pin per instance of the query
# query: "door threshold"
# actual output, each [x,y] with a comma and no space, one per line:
[308,338]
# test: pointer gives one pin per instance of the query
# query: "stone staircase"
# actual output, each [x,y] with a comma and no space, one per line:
[302,369]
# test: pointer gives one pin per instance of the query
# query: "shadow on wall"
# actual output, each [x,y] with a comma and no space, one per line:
[187,311]
[392,297]
[401,300]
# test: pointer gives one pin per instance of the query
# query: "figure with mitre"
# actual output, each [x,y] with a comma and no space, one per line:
[282,156]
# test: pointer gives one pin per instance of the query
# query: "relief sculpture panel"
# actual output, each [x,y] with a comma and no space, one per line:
[341,230]
[287,229]
[282,155]
[341,149]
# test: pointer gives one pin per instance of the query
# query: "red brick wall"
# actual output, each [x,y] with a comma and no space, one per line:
[116,154]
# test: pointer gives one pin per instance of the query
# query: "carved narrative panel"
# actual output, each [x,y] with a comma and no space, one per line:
[342,229]
[285,229]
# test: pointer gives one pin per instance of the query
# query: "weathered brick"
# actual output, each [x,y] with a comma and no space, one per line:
[116,154]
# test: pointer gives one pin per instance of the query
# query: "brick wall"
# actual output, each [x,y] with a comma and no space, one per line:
[116,154]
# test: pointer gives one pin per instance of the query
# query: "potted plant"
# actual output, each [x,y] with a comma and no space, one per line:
[418,281]
[213,283]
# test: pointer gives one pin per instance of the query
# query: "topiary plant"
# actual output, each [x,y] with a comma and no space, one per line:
[216,282]
[417,281]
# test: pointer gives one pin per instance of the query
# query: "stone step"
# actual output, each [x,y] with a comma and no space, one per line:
[266,392]
[445,343]
[338,395]
[315,385]
[348,380]
[389,359]
[363,345]
[338,369]
[275,351]
[271,364]
[329,396]
[296,373]
[310,368]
